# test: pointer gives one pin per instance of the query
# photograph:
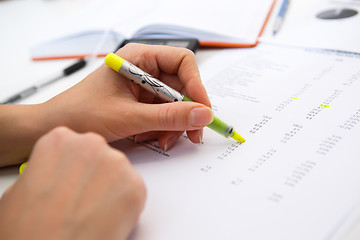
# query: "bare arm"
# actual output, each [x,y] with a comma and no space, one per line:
[110,105]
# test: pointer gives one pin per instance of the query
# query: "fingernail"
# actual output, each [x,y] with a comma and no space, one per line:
[201,116]
[200,136]
[170,142]
[138,138]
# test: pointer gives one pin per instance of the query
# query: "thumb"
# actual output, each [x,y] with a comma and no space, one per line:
[176,116]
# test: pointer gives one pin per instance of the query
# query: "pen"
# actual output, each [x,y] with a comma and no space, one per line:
[280,17]
[33,89]
[165,92]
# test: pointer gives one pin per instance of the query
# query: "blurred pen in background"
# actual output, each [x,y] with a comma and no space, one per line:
[53,78]
[280,17]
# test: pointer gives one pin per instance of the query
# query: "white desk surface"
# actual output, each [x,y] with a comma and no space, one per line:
[23,22]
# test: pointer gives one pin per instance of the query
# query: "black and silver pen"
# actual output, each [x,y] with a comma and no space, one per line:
[53,78]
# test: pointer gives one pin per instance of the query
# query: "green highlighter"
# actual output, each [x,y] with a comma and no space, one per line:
[165,92]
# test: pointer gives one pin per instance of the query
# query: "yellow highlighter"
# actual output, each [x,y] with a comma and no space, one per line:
[163,91]
[22,167]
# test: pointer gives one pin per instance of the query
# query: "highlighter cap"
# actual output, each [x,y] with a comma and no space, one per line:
[114,61]
[22,167]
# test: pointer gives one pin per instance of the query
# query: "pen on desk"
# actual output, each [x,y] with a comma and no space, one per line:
[280,17]
[33,89]
[165,92]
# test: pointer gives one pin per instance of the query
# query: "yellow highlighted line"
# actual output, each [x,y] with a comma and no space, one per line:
[324,106]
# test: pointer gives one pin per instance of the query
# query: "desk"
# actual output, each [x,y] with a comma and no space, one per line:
[25,28]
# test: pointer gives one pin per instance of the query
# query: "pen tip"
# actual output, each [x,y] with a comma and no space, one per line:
[238,138]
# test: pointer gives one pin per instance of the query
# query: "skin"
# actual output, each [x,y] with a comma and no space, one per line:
[75,185]
[110,105]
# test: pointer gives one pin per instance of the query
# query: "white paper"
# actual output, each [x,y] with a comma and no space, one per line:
[302,27]
[297,174]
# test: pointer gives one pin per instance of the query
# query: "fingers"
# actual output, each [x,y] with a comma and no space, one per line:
[168,139]
[91,184]
[172,120]
[195,136]
[157,60]
[177,116]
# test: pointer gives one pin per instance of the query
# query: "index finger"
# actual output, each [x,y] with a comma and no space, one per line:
[169,60]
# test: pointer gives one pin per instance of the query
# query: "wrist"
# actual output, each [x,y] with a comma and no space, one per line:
[21,126]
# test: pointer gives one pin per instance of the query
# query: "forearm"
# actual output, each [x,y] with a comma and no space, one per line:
[20,127]
[109,104]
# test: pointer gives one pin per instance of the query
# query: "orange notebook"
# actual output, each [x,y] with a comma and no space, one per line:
[218,24]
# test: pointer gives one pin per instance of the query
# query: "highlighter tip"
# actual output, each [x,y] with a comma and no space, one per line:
[237,137]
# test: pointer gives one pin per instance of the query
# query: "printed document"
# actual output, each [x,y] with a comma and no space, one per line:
[296,176]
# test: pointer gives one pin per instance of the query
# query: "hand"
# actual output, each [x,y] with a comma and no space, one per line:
[74,187]
[109,104]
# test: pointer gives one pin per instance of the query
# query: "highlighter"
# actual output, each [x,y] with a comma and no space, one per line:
[163,91]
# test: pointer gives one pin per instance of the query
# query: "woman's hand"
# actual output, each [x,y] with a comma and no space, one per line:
[74,187]
[113,106]
[107,103]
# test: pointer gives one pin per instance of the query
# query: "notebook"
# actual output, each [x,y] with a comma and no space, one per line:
[229,24]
